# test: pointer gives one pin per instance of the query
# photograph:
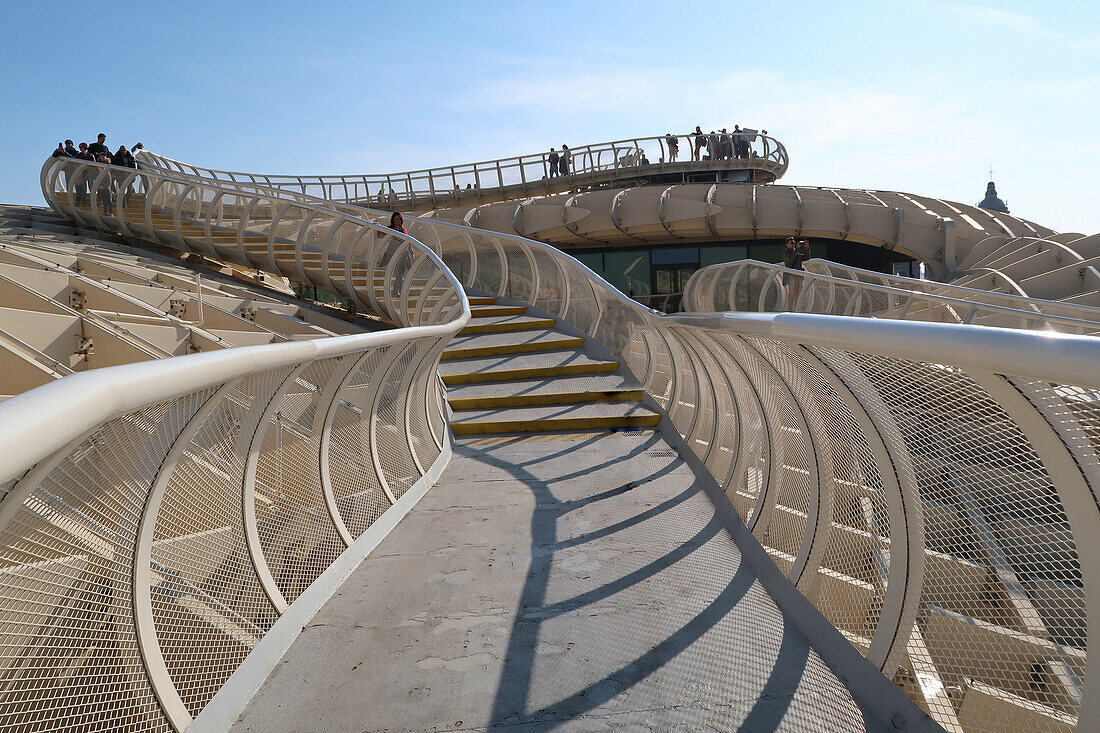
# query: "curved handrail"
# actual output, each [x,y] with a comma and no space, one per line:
[961,292]
[895,471]
[516,176]
[196,497]
[763,287]
[758,369]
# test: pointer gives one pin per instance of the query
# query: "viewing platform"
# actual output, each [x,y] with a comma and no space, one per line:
[620,163]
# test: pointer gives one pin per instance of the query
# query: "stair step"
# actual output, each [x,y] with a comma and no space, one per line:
[541,418]
[510,342]
[481,300]
[571,384]
[556,391]
[536,365]
[499,324]
[485,311]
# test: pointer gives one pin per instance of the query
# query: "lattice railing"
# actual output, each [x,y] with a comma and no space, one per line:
[159,518]
[759,287]
[518,176]
[930,487]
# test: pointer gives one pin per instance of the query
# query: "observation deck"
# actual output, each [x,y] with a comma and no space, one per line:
[615,164]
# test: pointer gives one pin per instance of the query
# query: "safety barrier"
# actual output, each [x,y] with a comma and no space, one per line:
[518,176]
[1076,311]
[930,487]
[748,285]
[158,518]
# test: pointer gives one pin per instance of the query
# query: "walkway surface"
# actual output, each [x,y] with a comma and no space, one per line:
[577,581]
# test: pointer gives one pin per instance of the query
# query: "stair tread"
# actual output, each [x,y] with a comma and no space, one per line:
[543,413]
[512,319]
[485,364]
[543,385]
[507,338]
[483,311]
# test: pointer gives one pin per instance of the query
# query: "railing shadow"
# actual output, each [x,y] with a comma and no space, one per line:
[515,686]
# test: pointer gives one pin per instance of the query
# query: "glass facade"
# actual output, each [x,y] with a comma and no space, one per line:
[660,270]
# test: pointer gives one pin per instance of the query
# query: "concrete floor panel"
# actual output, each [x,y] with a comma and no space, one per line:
[567,582]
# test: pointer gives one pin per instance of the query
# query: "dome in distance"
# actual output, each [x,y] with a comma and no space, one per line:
[991,202]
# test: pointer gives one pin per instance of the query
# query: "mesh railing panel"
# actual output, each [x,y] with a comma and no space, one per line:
[765,288]
[921,504]
[208,605]
[146,559]
[70,653]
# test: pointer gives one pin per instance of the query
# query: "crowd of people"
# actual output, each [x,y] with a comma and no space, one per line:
[98,152]
[717,145]
[721,144]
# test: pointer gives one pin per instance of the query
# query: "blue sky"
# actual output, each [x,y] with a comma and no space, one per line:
[911,96]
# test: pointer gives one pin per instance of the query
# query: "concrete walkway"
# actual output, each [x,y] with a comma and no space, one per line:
[555,581]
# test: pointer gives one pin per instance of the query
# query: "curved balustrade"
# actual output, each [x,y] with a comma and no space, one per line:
[929,487]
[1074,311]
[924,508]
[519,176]
[159,518]
[748,285]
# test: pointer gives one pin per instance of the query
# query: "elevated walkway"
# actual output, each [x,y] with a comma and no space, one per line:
[934,503]
[583,580]
[615,164]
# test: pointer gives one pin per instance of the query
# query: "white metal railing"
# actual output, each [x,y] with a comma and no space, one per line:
[930,487]
[516,176]
[1072,311]
[158,518]
[748,285]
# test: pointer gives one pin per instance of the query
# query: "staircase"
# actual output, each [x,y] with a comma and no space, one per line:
[511,372]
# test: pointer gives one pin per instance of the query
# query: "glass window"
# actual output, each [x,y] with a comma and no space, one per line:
[771,253]
[627,271]
[592,260]
[718,255]
[677,256]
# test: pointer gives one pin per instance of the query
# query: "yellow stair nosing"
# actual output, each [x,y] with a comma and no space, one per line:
[555,424]
[471,352]
[538,372]
[488,311]
[545,398]
[506,326]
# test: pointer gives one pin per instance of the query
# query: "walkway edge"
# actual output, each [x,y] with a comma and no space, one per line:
[873,691]
[234,696]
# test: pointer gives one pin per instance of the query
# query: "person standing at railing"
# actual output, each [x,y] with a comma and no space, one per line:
[82,179]
[793,257]
[563,163]
[403,255]
[727,146]
[552,159]
[700,141]
[99,147]
[106,183]
[673,147]
[124,159]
